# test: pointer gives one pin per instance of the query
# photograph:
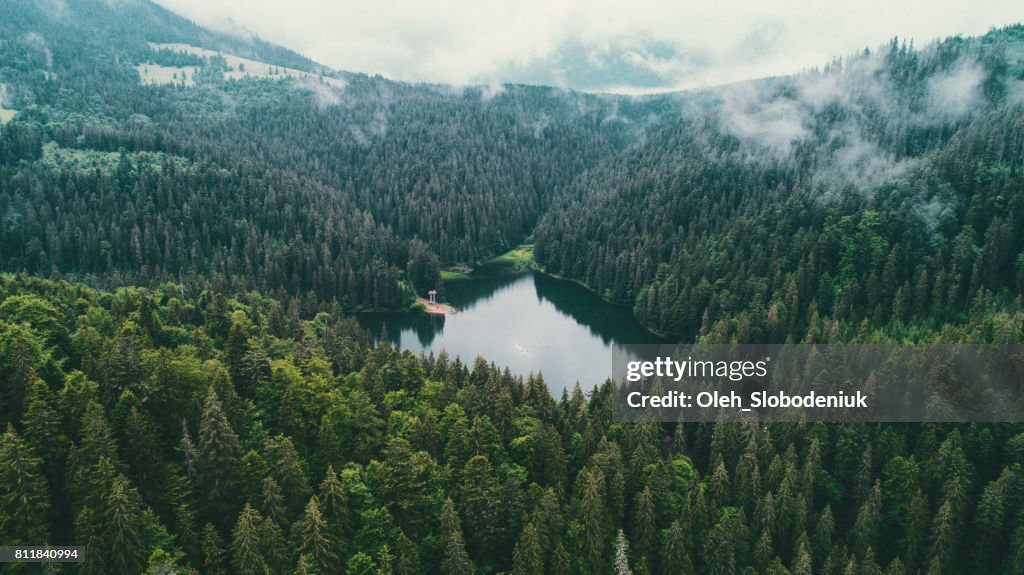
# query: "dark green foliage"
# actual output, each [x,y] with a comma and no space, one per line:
[528,558]
[717,227]
[455,561]
[260,183]
[24,498]
[769,498]
[217,459]
[137,415]
[313,538]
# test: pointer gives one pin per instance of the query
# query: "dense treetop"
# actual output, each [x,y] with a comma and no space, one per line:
[184,393]
[296,187]
[228,435]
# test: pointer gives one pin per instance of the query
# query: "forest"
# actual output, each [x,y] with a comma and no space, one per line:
[175,431]
[183,388]
[298,189]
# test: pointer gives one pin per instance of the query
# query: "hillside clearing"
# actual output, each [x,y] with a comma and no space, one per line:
[238,68]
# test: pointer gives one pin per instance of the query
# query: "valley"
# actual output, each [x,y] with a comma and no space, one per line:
[210,246]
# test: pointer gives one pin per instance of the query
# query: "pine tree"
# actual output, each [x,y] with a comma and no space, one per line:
[455,560]
[1015,561]
[214,556]
[560,561]
[247,543]
[384,561]
[943,539]
[406,560]
[314,538]
[118,531]
[593,517]
[361,564]
[288,470]
[918,519]
[406,486]
[547,518]
[645,529]
[307,566]
[527,557]
[823,532]
[479,502]
[217,459]
[124,529]
[895,567]
[188,452]
[334,504]
[161,562]
[275,547]
[236,346]
[865,528]
[621,565]
[43,430]
[143,455]
[24,499]
[989,520]
[271,504]
[97,437]
[675,558]
[803,563]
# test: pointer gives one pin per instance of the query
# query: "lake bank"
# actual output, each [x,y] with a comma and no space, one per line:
[531,322]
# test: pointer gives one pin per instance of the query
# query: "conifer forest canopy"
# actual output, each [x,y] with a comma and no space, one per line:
[190,220]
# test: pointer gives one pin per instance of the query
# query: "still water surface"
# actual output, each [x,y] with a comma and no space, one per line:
[530,323]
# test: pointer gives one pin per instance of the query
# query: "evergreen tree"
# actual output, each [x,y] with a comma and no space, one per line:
[334,504]
[271,504]
[527,557]
[24,497]
[675,558]
[289,471]
[124,530]
[593,519]
[247,543]
[621,566]
[645,528]
[314,538]
[217,459]
[455,560]
[214,555]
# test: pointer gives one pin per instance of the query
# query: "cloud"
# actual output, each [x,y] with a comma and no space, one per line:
[750,112]
[640,46]
[326,95]
[861,162]
[955,92]
[37,44]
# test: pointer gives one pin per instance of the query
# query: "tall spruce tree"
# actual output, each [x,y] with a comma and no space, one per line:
[217,460]
[24,497]
[455,560]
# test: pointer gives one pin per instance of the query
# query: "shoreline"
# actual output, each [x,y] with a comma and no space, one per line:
[436,308]
[540,270]
[520,265]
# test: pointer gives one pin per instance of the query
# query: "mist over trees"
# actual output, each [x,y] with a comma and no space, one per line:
[182,391]
[879,193]
[299,188]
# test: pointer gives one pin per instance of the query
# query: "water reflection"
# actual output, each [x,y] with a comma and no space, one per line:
[530,323]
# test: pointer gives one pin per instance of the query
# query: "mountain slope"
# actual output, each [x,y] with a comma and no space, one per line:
[325,188]
[885,189]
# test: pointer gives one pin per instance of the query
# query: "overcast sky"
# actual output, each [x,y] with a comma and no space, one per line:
[614,45]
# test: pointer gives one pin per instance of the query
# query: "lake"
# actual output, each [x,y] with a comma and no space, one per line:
[530,323]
